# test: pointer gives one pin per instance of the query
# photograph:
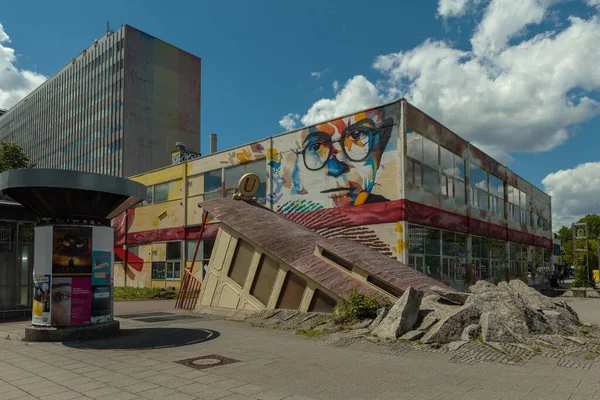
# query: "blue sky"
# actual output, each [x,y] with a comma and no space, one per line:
[478,66]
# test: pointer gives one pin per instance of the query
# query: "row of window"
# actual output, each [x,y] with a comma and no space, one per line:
[263,282]
[439,171]
[46,122]
[158,193]
[170,268]
[223,182]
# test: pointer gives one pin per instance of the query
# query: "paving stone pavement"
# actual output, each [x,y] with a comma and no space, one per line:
[265,363]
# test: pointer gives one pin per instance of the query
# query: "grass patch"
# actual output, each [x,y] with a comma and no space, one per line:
[259,325]
[358,307]
[135,293]
[7,337]
[480,337]
[537,350]
[276,326]
[309,332]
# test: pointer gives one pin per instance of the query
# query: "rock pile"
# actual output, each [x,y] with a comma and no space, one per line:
[509,312]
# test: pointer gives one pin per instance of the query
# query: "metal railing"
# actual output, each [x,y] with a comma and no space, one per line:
[190,288]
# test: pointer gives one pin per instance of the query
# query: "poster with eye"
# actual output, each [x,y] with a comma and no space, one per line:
[72,251]
[101,268]
[60,306]
[81,301]
[41,300]
[101,308]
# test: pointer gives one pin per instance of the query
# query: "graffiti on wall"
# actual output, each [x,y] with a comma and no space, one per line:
[335,164]
[347,162]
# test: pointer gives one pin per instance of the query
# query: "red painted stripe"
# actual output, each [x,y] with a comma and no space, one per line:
[133,261]
[366,214]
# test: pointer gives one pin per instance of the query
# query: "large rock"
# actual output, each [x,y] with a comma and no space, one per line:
[482,287]
[494,299]
[381,313]
[426,322]
[412,335]
[450,328]
[450,295]
[434,305]
[493,328]
[470,332]
[402,316]
[562,321]
[531,297]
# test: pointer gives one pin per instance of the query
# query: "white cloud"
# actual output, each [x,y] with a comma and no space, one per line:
[575,193]
[452,8]
[289,121]
[357,93]
[509,93]
[15,83]
[504,19]
[317,75]
[336,86]
[593,3]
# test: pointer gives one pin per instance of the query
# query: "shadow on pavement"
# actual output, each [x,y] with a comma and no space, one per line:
[148,338]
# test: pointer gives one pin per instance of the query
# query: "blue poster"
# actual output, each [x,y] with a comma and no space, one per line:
[101,268]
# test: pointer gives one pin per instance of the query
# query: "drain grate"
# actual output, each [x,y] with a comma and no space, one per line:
[205,362]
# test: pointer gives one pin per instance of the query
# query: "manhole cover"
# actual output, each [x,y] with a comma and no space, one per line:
[204,362]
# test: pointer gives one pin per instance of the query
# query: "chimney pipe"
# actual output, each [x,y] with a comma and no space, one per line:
[213,143]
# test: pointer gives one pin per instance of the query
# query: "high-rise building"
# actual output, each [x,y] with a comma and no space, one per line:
[117,108]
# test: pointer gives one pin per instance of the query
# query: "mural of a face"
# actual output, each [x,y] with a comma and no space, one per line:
[341,157]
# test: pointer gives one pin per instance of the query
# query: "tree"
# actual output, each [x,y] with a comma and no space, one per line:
[593,222]
[565,234]
[12,156]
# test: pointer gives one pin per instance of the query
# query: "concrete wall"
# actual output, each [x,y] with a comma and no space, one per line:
[162,101]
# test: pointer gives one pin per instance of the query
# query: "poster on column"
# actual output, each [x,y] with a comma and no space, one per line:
[101,270]
[41,300]
[101,309]
[72,251]
[81,301]
[60,306]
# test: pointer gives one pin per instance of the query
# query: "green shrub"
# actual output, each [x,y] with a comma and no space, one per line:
[135,293]
[358,307]
[584,277]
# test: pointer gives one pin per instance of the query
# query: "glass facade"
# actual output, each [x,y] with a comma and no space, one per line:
[16,265]
[445,255]
[74,120]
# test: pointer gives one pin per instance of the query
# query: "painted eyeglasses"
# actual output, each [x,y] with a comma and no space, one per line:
[356,143]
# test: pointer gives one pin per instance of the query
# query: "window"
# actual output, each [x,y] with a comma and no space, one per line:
[452,168]
[148,199]
[240,265]
[496,195]
[264,280]
[478,187]
[161,192]
[291,292]
[321,302]
[414,152]
[173,263]
[159,269]
[430,167]
[212,185]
